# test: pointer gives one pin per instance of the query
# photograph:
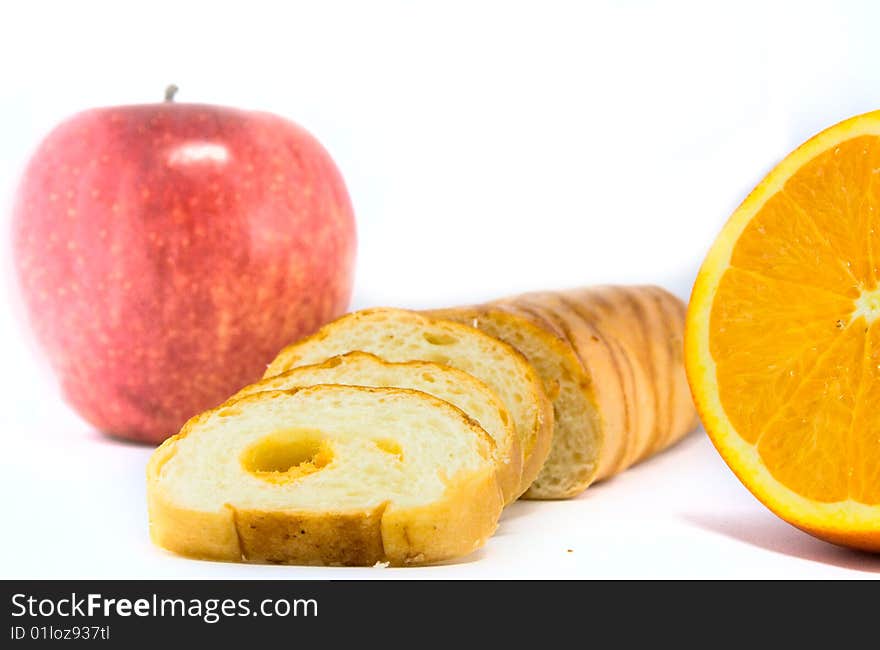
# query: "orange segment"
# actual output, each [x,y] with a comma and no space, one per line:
[836,189]
[783,337]
[783,242]
[759,367]
[805,445]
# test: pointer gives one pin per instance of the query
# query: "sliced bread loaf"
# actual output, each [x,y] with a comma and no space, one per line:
[458,388]
[399,335]
[333,475]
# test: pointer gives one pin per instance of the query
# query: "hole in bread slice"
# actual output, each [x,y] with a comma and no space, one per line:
[287,455]
[390,447]
[439,338]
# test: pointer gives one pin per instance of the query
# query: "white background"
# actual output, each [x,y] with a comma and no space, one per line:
[488,148]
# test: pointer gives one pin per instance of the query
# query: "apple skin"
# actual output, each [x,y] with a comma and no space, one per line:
[166,252]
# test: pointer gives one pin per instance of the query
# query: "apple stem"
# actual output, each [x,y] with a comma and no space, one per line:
[170,92]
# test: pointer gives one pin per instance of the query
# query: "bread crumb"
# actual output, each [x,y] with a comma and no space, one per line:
[381,565]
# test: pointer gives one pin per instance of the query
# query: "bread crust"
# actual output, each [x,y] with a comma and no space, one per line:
[606,308]
[457,524]
[509,467]
[535,442]
[684,417]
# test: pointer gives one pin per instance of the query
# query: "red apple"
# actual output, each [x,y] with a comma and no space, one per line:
[167,251]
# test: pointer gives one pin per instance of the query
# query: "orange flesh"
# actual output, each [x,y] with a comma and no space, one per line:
[795,328]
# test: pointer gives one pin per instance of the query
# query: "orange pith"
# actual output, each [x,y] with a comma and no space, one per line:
[783,339]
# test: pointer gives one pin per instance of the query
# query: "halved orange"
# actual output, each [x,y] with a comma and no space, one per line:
[783,337]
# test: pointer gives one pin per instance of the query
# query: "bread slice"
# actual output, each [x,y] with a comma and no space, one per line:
[330,475]
[458,388]
[578,435]
[399,335]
